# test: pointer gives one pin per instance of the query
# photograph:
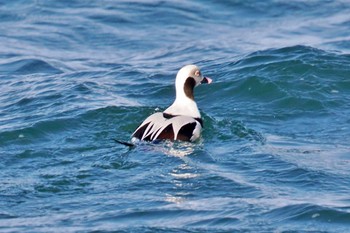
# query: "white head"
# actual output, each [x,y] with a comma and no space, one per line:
[187,78]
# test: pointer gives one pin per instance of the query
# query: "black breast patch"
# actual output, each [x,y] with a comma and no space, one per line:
[167,115]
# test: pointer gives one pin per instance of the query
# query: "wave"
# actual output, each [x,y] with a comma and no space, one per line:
[28,66]
[273,85]
[307,212]
[274,150]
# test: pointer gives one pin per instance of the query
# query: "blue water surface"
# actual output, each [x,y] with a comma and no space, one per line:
[274,155]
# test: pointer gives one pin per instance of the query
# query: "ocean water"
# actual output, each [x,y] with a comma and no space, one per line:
[274,155]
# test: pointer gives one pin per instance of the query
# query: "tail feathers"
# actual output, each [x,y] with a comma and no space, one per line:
[129,144]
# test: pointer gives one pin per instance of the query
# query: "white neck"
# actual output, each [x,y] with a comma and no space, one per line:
[183,106]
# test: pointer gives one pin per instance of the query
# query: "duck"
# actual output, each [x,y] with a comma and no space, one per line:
[181,121]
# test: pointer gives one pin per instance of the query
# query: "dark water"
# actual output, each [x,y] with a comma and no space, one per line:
[274,155]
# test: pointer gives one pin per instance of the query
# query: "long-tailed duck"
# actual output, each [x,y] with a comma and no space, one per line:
[182,120]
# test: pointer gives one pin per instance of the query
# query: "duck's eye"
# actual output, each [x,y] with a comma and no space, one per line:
[197,73]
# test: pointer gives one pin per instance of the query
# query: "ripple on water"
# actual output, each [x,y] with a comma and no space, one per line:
[309,212]
[28,66]
[274,152]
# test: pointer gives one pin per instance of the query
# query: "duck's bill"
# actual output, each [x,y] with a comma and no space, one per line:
[207,80]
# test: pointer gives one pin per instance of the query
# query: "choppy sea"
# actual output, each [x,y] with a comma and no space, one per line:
[274,155]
